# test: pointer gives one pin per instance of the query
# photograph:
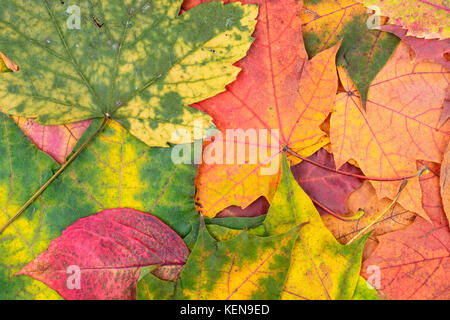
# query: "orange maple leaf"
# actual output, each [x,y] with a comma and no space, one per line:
[399,126]
[414,263]
[278,88]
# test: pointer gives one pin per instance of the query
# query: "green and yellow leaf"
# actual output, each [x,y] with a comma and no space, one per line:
[144,65]
[245,267]
[321,267]
[115,171]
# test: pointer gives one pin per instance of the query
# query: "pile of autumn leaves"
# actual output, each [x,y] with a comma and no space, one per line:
[372,224]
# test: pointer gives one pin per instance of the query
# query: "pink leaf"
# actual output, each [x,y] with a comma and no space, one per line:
[108,250]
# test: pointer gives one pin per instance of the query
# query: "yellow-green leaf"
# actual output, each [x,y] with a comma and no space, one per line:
[429,19]
[115,171]
[321,267]
[140,62]
[364,291]
[245,267]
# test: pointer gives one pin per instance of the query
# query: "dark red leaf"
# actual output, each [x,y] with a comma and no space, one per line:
[329,189]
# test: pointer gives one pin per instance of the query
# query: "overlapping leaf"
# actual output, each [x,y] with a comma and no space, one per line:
[399,126]
[143,63]
[109,250]
[422,18]
[143,66]
[23,169]
[321,267]
[365,198]
[245,267]
[445,182]
[415,262]
[57,141]
[364,50]
[327,189]
[425,49]
[278,89]
[115,171]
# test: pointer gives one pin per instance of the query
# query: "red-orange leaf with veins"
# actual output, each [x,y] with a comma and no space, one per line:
[415,262]
[445,182]
[278,88]
[400,124]
[328,190]
[57,141]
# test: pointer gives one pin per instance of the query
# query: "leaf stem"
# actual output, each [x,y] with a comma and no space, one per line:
[295,154]
[56,175]
[381,215]
[355,217]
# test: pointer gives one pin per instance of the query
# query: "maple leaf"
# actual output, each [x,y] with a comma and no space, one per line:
[427,19]
[399,126]
[143,67]
[245,267]
[365,199]
[415,262]
[279,89]
[434,50]
[328,190]
[364,51]
[445,182]
[321,267]
[112,172]
[109,249]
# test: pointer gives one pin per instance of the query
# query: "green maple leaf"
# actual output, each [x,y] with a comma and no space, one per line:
[138,61]
[116,170]
[321,267]
[245,267]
